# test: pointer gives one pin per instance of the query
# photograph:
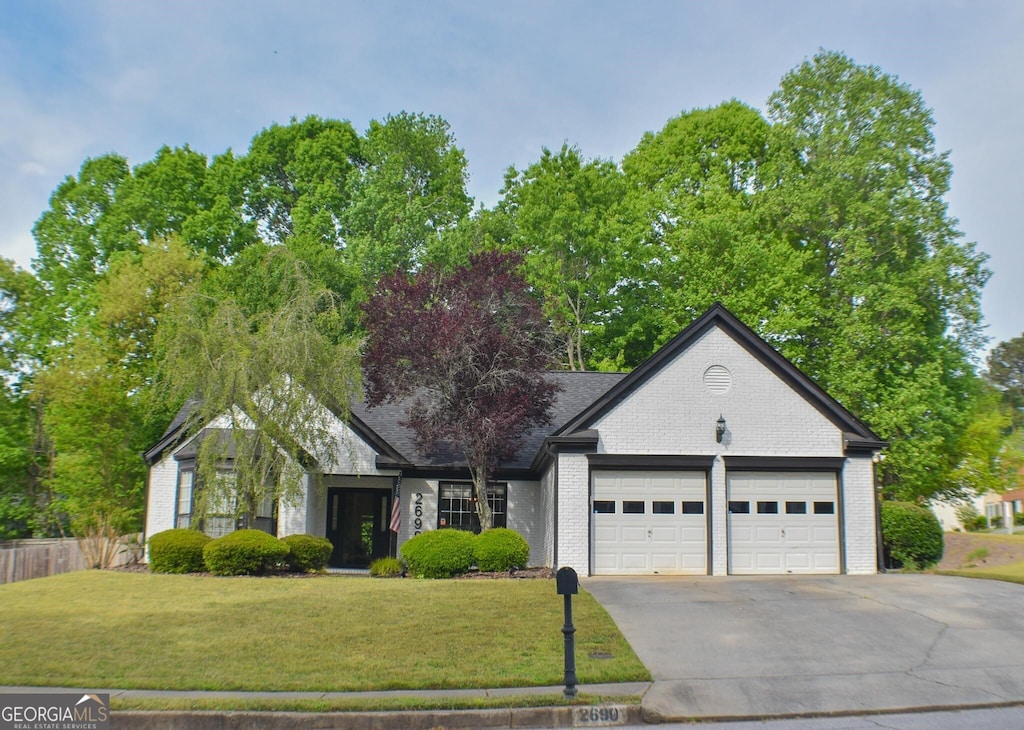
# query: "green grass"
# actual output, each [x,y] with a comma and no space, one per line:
[1013,573]
[180,632]
[359,704]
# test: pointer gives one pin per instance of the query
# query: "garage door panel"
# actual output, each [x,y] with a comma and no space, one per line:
[802,537]
[798,535]
[631,533]
[664,534]
[693,535]
[661,539]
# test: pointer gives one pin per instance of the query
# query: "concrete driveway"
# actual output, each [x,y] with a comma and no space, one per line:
[737,647]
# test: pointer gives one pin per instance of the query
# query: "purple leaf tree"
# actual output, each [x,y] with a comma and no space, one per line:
[470,348]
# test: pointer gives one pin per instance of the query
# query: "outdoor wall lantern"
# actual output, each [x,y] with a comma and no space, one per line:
[720,429]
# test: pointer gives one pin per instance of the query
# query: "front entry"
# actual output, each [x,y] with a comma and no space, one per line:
[357,526]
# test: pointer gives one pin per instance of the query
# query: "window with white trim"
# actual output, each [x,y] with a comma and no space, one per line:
[457,507]
[221,513]
[186,479]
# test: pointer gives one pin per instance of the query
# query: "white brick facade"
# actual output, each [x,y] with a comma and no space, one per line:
[162,495]
[674,413]
[859,516]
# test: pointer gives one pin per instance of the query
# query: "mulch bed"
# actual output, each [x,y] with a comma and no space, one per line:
[523,574]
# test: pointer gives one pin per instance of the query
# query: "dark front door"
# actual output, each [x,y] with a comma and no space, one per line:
[357,526]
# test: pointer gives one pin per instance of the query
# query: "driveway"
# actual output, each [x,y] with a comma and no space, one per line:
[737,647]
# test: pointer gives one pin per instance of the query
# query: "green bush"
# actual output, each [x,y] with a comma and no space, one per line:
[244,552]
[308,553]
[439,553]
[500,549]
[976,523]
[968,515]
[386,567]
[177,551]
[911,535]
[1018,518]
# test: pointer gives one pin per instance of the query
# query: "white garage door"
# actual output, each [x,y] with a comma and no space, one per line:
[649,522]
[783,523]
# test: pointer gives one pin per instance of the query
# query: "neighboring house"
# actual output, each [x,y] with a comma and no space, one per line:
[716,456]
[1002,509]
[946,510]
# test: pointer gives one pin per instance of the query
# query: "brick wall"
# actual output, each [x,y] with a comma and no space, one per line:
[163,495]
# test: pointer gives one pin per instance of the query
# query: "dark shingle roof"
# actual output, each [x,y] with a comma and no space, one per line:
[578,391]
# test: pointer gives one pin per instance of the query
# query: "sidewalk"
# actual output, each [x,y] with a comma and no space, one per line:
[517,717]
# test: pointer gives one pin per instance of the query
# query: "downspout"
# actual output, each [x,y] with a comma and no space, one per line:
[554,501]
[877,458]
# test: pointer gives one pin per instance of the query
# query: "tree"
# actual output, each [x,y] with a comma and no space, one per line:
[74,242]
[990,460]
[563,213]
[697,235]
[1006,372]
[857,188]
[269,385]
[411,189]
[95,394]
[469,348]
[296,179]
[92,424]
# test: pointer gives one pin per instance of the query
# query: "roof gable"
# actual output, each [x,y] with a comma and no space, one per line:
[856,433]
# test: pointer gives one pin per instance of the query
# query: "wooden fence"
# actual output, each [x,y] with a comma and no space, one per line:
[25,559]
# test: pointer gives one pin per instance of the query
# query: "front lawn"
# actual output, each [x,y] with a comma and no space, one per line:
[143,631]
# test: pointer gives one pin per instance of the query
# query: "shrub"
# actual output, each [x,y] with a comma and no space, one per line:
[439,553]
[968,515]
[976,523]
[177,551]
[911,535]
[500,549]
[308,553]
[386,567]
[244,552]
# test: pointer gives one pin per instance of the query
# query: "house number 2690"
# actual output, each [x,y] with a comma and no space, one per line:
[417,510]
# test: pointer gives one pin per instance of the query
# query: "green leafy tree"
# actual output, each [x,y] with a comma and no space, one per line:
[1006,372]
[296,179]
[563,214]
[410,191]
[92,426]
[18,506]
[22,495]
[96,397]
[262,379]
[698,235]
[75,239]
[858,190]
[989,457]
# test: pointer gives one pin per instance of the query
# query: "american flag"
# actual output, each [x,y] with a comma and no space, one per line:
[396,507]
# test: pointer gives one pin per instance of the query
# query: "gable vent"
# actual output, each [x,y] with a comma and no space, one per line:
[717,379]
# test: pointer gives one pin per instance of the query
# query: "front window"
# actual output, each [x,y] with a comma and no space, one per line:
[458,505]
[186,479]
[221,510]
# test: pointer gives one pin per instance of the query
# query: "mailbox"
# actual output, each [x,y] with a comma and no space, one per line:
[567,582]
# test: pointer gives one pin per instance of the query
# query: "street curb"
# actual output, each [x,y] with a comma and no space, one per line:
[519,717]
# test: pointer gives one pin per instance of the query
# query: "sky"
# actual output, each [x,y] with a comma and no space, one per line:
[81,78]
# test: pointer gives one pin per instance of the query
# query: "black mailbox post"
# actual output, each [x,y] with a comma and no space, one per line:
[568,584]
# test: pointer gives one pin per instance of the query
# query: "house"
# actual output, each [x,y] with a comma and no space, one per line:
[716,456]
